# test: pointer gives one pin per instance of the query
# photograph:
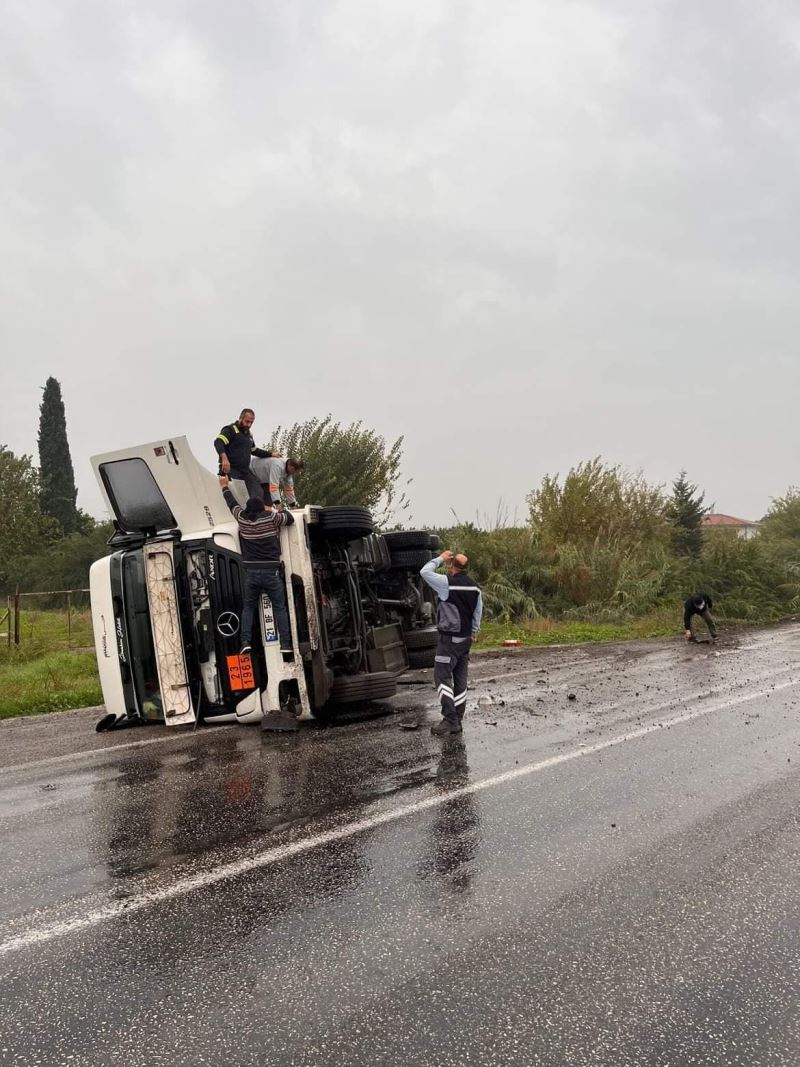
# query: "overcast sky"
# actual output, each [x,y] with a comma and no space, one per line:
[520,234]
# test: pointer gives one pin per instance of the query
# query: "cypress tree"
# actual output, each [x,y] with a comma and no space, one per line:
[58,492]
[686,513]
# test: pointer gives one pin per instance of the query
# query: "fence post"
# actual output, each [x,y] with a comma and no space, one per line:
[16,617]
[8,620]
[69,618]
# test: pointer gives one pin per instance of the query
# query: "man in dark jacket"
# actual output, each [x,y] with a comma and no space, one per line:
[458,619]
[260,541]
[235,447]
[698,604]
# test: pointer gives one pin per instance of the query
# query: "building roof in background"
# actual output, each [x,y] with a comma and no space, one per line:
[726,520]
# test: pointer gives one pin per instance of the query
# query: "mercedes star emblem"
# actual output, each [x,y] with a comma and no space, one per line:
[228,624]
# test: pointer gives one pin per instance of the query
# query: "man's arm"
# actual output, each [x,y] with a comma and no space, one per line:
[221,442]
[709,603]
[261,453]
[477,615]
[283,518]
[437,582]
[687,615]
[288,488]
[230,499]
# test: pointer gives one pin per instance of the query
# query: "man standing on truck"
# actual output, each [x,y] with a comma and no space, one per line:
[235,447]
[458,620]
[275,474]
[699,604]
[260,540]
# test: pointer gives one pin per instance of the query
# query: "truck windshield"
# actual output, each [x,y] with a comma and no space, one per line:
[135,496]
[140,635]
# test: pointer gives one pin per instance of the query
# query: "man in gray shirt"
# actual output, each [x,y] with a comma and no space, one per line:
[275,473]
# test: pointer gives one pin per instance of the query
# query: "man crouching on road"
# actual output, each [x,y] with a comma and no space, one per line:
[260,541]
[458,620]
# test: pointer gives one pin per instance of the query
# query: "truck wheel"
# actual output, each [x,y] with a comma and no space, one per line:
[407,539]
[421,657]
[410,559]
[418,639]
[347,521]
[434,542]
[350,688]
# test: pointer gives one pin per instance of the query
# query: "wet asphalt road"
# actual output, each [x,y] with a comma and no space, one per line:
[606,880]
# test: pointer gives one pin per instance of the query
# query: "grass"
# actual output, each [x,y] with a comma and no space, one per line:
[567,632]
[49,631]
[42,674]
[53,681]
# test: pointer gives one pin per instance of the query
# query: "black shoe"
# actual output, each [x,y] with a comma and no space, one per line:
[245,650]
[445,727]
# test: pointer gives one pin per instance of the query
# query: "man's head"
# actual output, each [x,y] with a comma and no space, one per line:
[698,601]
[255,506]
[294,465]
[458,563]
[246,418]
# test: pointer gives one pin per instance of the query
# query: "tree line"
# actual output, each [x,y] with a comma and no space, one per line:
[47,542]
[604,545]
[600,543]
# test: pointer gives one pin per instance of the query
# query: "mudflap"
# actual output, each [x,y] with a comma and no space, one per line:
[119,722]
[286,718]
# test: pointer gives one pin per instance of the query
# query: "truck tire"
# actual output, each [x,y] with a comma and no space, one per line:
[419,639]
[350,688]
[407,539]
[420,658]
[410,559]
[434,542]
[347,521]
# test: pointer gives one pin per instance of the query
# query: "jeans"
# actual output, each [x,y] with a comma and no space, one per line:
[265,579]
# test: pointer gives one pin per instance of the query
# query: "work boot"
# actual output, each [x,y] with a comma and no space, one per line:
[445,727]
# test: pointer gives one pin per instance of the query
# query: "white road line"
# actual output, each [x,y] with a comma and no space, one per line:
[117,909]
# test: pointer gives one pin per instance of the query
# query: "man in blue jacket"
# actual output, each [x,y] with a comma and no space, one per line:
[458,620]
[235,447]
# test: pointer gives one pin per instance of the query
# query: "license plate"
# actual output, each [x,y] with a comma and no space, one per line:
[268,619]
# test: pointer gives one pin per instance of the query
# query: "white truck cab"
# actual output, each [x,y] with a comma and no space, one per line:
[166,603]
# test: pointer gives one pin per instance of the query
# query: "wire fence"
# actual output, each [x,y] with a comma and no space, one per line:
[52,620]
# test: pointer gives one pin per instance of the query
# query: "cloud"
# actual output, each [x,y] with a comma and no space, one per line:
[573,222]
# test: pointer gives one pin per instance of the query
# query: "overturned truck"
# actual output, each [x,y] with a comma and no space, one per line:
[166,603]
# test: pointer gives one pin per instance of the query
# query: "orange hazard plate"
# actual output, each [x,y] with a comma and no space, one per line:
[240,672]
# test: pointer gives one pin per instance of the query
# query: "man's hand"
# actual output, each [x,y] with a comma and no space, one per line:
[687,634]
[446,556]
[225,463]
[476,635]
[277,506]
[224,480]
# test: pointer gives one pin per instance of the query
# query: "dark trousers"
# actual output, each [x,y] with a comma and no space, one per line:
[450,675]
[267,579]
[707,618]
[254,486]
